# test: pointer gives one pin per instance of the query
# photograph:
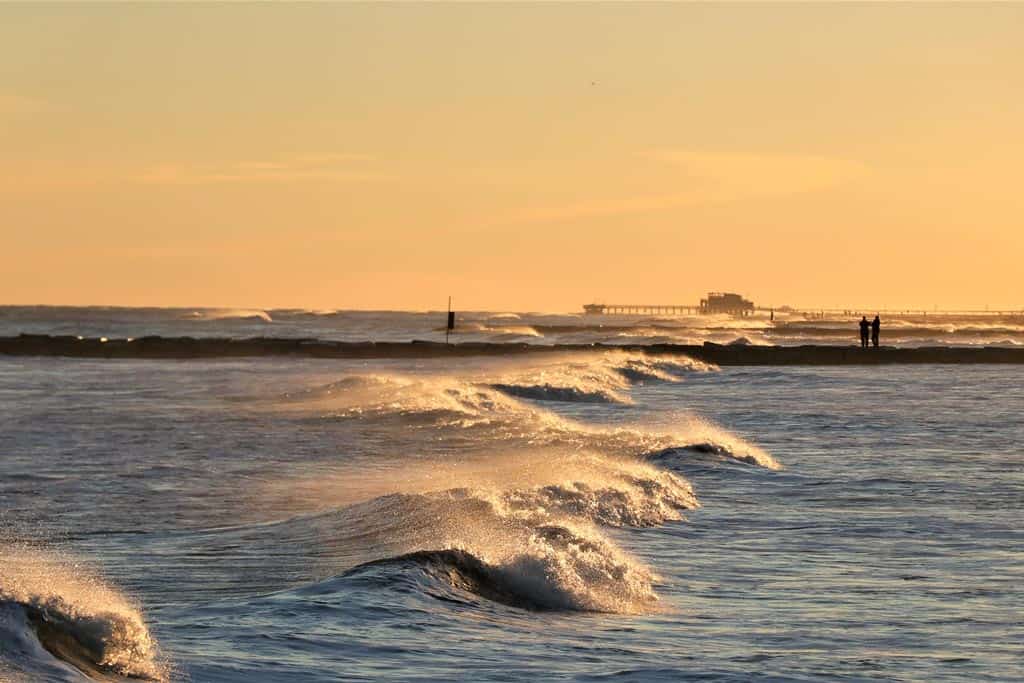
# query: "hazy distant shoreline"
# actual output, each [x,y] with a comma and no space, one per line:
[185,348]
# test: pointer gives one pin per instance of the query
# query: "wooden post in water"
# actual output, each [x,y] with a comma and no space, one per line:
[451,320]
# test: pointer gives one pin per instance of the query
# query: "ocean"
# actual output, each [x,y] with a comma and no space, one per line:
[786,328]
[593,516]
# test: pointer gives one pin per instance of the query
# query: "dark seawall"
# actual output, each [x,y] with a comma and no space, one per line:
[183,348]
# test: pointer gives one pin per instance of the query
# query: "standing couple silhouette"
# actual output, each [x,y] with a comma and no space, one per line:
[875,326]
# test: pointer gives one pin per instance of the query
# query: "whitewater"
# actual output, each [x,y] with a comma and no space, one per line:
[587,516]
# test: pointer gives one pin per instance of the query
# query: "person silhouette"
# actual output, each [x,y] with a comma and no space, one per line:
[876,325]
[864,324]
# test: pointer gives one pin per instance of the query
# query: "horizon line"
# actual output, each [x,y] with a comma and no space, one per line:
[764,309]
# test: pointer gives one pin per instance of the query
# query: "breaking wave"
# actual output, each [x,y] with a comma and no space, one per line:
[556,569]
[601,379]
[54,613]
[477,411]
[548,392]
[497,329]
[232,314]
[510,501]
[610,492]
[524,528]
[524,531]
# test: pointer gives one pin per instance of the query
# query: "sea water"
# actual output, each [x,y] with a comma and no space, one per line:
[589,517]
[780,327]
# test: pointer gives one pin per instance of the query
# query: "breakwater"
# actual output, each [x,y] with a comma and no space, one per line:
[183,348]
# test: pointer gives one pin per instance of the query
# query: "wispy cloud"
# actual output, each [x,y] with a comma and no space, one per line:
[312,167]
[608,206]
[42,176]
[760,174]
[710,178]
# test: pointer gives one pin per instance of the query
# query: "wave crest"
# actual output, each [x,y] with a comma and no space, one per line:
[231,314]
[601,379]
[509,499]
[446,402]
[522,528]
[555,567]
[597,379]
[574,394]
[608,491]
[74,616]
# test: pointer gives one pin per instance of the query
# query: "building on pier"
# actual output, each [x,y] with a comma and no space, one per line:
[716,302]
[728,303]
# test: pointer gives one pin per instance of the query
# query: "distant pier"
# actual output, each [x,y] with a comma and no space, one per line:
[716,302]
[735,305]
[640,309]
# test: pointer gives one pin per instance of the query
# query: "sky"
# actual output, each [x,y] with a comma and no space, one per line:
[528,157]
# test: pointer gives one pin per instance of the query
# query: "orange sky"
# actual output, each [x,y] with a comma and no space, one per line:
[519,157]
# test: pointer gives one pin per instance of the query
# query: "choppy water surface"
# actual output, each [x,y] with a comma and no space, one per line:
[785,328]
[587,517]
